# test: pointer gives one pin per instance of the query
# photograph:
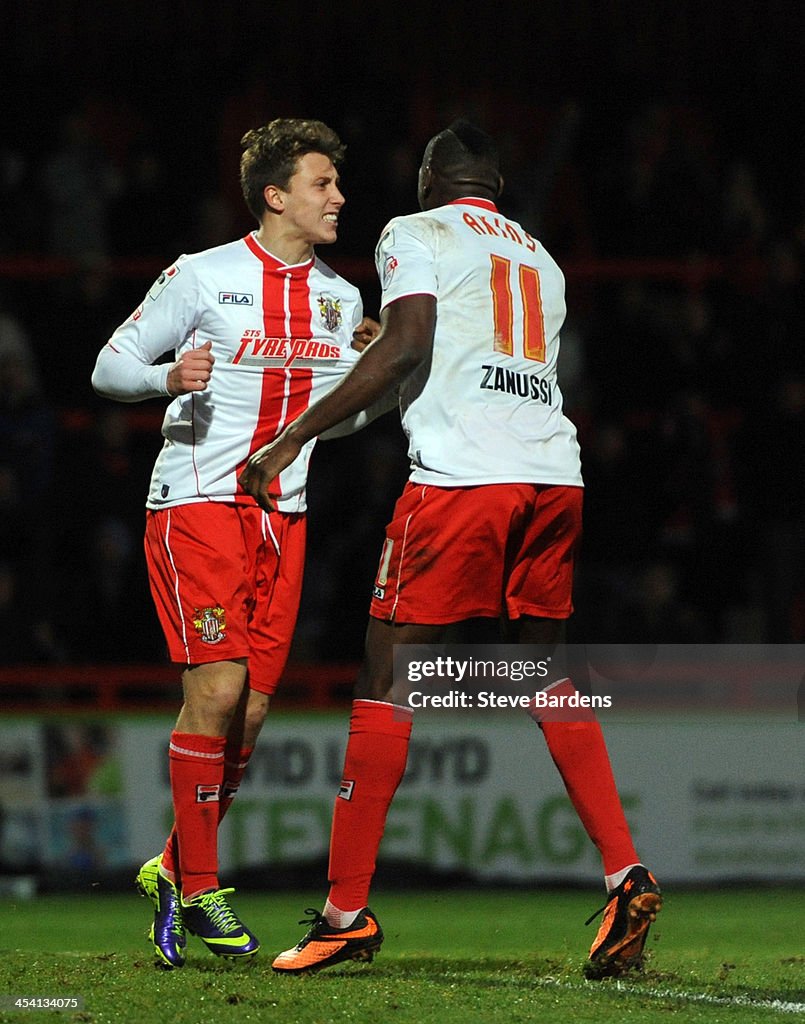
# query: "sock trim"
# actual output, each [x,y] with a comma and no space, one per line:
[385,704]
[338,918]
[558,682]
[218,756]
[613,880]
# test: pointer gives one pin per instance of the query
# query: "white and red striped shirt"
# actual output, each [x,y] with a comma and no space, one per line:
[281,337]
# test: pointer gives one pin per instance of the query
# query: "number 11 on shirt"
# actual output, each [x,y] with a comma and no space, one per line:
[500,281]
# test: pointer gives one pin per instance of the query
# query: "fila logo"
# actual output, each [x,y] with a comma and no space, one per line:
[347,786]
[235,299]
[207,794]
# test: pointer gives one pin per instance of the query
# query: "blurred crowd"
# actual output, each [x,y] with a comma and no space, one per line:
[680,365]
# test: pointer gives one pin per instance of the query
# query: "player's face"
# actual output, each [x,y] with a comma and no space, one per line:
[313,200]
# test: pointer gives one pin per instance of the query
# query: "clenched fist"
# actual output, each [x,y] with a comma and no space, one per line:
[191,371]
[365,333]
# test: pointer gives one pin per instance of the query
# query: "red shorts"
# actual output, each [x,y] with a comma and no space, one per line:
[226,581]
[470,552]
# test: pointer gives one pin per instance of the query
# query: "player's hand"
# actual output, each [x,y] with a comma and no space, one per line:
[263,468]
[191,371]
[365,333]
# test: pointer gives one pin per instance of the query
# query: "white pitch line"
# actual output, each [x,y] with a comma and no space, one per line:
[778,1005]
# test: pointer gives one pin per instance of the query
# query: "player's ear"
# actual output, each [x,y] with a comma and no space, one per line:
[500,185]
[424,185]
[274,198]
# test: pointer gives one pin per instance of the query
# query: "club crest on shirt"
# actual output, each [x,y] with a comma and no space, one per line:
[210,624]
[330,310]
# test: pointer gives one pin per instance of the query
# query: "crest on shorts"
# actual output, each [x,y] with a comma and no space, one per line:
[330,310]
[210,624]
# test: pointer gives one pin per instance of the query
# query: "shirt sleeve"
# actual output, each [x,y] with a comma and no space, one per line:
[124,368]
[405,262]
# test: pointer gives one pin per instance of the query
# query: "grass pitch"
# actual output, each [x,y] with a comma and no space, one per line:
[471,957]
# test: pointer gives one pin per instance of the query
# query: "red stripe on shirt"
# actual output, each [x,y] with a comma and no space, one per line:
[301,327]
[285,392]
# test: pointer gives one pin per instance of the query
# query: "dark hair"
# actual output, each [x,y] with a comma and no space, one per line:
[270,154]
[463,147]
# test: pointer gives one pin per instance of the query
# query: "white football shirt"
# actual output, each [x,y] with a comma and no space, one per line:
[281,337]
[488,408]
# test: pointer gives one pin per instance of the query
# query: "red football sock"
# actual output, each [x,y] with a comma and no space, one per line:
[170,857]
[234,767]
[196,772]
[580,753]
[235,761]
[373,766]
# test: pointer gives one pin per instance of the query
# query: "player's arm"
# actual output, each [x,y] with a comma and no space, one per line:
[125,376]
[125,370]
[353,424]
[363,335]
[404,342]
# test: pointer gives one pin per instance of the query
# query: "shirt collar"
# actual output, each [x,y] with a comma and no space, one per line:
[484,204]
[270,261]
